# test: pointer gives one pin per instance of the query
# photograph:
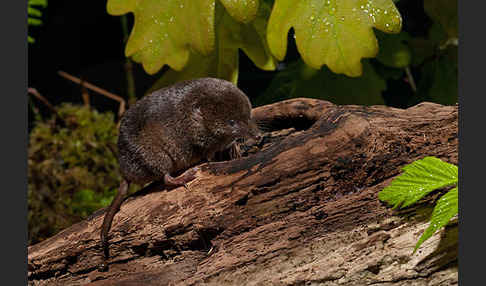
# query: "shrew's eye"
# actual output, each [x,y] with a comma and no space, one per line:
[232,122]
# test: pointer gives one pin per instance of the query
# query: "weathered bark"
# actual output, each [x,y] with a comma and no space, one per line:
[300,210]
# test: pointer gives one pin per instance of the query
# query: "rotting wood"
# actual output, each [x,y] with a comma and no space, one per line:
[300,209]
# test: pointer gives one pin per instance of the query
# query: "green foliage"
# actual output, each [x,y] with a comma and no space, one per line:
[336,33]
[33,15]
[439,81]
[299,80]
[200,34]
[447,207]
[435,55]
[223,62]
[86,201]
[394,52]
[202,37]
[156,38]
[72,170]
[198,38]
[420,178]
[443,12]
[431,61]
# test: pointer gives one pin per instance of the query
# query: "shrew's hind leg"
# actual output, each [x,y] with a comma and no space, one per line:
[181,180]
[108,219]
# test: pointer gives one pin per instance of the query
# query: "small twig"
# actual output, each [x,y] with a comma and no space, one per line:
[85,94]
[99,90]
[410,79]
[37,95]
[57,119]
[35,110]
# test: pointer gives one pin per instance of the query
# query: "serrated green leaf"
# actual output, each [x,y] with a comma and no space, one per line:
[120,7]
[447,207]
[336,33]
[422,49]
[42,3]
[200,66]
[241,10]
[426,48]
[33,12]
[439,82]
[223,61]
[394,51]
[252,39]
[419,178]
[178,32]
[299,80]
[443,12]
[165,31]
[437,34]
[34,22]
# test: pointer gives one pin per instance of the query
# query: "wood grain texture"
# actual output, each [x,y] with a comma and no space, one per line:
[299,209]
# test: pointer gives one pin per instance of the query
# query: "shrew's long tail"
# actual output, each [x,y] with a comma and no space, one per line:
[108,219]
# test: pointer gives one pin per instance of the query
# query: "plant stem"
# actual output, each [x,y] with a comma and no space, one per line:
[35,110]
[37,95]
[411,81]
[128,64]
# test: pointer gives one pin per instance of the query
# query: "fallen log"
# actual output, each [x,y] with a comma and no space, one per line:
[301,208]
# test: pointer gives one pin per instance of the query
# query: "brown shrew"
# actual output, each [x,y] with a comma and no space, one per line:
[174,129]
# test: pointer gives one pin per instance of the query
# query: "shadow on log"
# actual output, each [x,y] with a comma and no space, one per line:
[299,209]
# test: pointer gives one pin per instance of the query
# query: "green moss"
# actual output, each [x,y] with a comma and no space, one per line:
[72,169]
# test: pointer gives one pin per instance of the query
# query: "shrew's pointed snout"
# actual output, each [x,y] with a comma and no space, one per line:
[258,137]
[254,136]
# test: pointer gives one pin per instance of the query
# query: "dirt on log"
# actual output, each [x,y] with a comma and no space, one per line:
[300,208]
